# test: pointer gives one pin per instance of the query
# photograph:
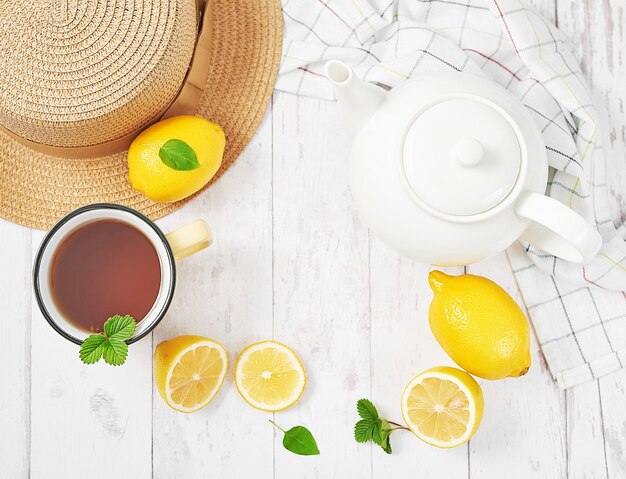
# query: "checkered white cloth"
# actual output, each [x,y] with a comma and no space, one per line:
[579,312]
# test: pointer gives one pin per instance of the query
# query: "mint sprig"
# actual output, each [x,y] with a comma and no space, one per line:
[299,440]
[371,427]
[110,344]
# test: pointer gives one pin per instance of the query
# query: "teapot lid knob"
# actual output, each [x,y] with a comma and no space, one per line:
[468,152]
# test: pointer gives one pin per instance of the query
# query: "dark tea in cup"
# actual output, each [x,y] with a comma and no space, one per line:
[104,268]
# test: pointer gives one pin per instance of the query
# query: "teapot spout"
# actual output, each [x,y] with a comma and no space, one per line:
[358,100]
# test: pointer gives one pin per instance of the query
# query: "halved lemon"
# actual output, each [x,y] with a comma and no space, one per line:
[443,406]
[189,371]
[269,376]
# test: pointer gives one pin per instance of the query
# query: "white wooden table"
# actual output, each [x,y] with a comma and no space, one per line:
[293,262]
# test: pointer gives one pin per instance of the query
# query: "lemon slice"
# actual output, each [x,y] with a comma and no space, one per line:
[189,371]
[443,406]
[269,376]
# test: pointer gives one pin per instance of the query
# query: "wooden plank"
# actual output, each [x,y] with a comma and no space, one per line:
[524,429]
[612,390]
[320,286]
[403,346]
[586,453]
[596,431]
[322,309]
[86,416]
[15,292]
[224,293]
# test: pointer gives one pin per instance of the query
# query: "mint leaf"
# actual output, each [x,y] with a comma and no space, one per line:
[373,428]
[363,430]
[366,409]
[377,433]
[299,440]
[91,349]
[385,444]
[120,327]
[114,351]
[178,155]
[111,344]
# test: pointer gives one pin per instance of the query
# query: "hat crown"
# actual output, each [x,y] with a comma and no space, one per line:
[85,72]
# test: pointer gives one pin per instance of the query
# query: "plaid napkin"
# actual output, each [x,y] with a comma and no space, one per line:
[579,312]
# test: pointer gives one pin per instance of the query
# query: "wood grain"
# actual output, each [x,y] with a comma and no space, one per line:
[15,288]
[81,412]
[224,293]
[320,287]
[292,261]
[585,432]
[611,395]
[523,434]
[596,34]
[402,346]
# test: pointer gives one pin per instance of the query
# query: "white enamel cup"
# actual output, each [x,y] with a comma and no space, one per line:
[170,248]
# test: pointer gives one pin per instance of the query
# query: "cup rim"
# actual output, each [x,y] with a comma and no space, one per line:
[52,232]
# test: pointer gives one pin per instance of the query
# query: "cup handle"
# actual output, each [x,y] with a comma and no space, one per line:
[557,229]
[190,239]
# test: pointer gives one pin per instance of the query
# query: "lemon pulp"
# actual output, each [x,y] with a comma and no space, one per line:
[189,371]
[269,376]
[443,406]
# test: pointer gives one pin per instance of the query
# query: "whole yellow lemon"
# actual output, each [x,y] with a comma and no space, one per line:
[175,158]
[479,326]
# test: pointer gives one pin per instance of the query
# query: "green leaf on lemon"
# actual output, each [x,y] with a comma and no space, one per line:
[178,155]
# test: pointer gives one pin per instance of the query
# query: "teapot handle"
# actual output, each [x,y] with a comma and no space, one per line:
[557,229]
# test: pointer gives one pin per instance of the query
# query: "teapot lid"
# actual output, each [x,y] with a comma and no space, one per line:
[461,155]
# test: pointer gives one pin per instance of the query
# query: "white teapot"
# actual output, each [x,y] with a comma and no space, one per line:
[449,169]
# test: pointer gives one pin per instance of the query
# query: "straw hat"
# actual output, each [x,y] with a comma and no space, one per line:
[81,78]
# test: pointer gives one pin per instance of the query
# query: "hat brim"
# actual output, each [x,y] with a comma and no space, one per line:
[36,190]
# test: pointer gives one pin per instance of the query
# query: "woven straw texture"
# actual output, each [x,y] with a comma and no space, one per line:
[83,72]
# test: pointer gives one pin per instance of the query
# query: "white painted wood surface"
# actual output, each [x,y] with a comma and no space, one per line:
[292,261]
